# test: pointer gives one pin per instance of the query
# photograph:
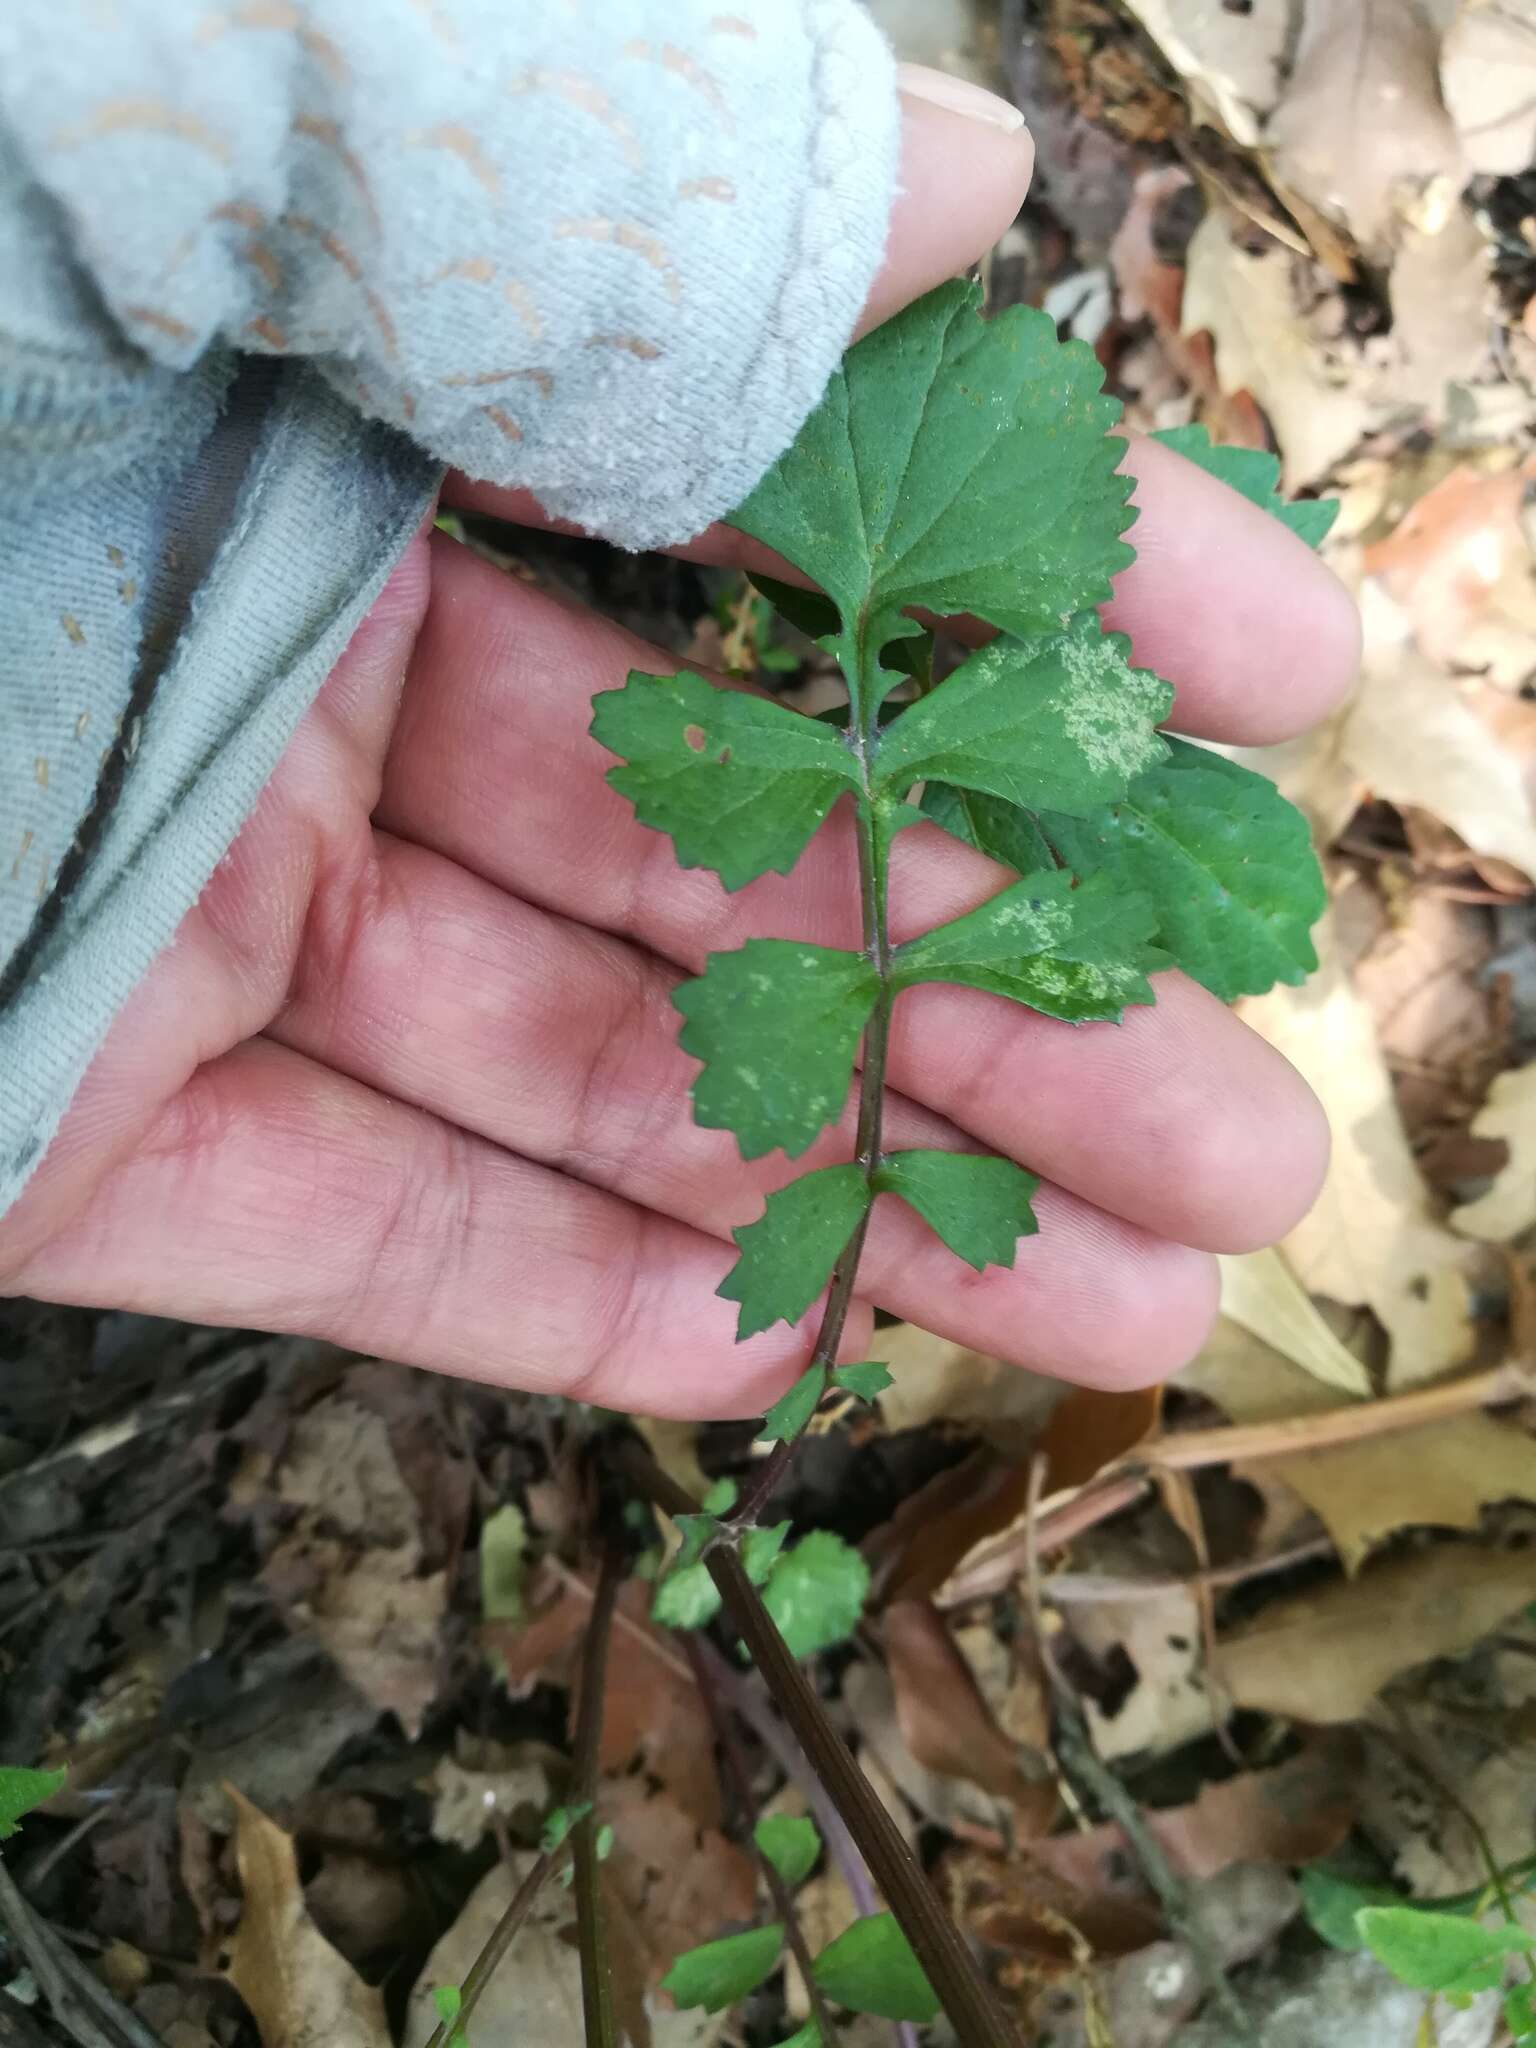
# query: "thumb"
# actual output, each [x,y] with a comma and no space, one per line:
[966,159]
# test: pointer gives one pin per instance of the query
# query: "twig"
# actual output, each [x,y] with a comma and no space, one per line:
[500,1940]
[757,1710]
[77,1998]
[26,1930]
[1188,1450]
[596,1976]
[995,1563]
[1081,1589]
[90,1987]
[1080,1761]
[783,1897]
[937,1943]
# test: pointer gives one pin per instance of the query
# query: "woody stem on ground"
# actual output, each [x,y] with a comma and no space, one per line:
[500,1939]
[741,1789]
[936,1941]
[596,1979]
[874,844]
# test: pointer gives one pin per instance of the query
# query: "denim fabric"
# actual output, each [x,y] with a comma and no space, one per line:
[264,268]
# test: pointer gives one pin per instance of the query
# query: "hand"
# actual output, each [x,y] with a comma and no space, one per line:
[408,1078]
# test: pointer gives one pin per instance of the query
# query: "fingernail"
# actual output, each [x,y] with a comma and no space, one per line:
[959,96]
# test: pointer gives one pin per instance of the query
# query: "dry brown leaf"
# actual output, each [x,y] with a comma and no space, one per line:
[674,1446]
[1259,1290]
[1323,1656]
[971,1508]
[1292,1814]
[954,1803]
[1509,1207]
[1231,60]
[1159,1632]
[1023,1907]
[350,1571]
[300,1991]
[1488,78]
[1440,313]
[1361,131]
[1443,1477]
[1460,565]
[534,1997]
[680,1883]
[465,1801]
[1011,1681]
[945,1722]
[1247,303]
[1370,1239]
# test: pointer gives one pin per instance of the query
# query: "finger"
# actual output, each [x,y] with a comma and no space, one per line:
[273,1194]
[966,160]
[561,1044]
[1257,635]
[1181,1120]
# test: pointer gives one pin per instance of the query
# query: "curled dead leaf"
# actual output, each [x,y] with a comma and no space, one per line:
[300,1991]
[945,1722]
[1362,131]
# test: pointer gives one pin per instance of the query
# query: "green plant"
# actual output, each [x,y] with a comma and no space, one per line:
[954,468]
[1442,1946]
[21,1791]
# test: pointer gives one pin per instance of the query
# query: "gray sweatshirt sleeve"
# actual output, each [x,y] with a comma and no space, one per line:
[265,267]
[607,249]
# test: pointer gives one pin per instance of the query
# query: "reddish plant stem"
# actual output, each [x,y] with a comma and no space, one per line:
[936,1941]
[596,1977]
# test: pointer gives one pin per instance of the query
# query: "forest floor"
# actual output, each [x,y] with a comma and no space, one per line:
[303,1628]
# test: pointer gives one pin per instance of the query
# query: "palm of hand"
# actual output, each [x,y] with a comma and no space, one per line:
[409,1078]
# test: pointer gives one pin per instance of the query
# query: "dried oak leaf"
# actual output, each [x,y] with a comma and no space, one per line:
[300,1991]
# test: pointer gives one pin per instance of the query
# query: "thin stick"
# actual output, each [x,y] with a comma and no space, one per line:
[741,1788]
[500,1940]
[935,1939]
[757,1710]
[1188,1450]
[1080,1761]
[24,1926]
[596,1976]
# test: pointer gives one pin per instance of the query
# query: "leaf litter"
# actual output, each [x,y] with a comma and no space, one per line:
[355,1597]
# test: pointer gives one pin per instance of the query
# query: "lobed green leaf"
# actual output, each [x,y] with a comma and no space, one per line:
[1000,829]
[979,1206]
[1440,1951]
[739,782]
[959,464]
[776,1026]
[794,1408]
[787,1256]
[1059,722]
[816,1592]
[865,1379]
[1078,954]
[21,1790]
[790,1844]
[871,1968]
[1225,861]
[1255,474]
[718,1973]
[760,1547]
